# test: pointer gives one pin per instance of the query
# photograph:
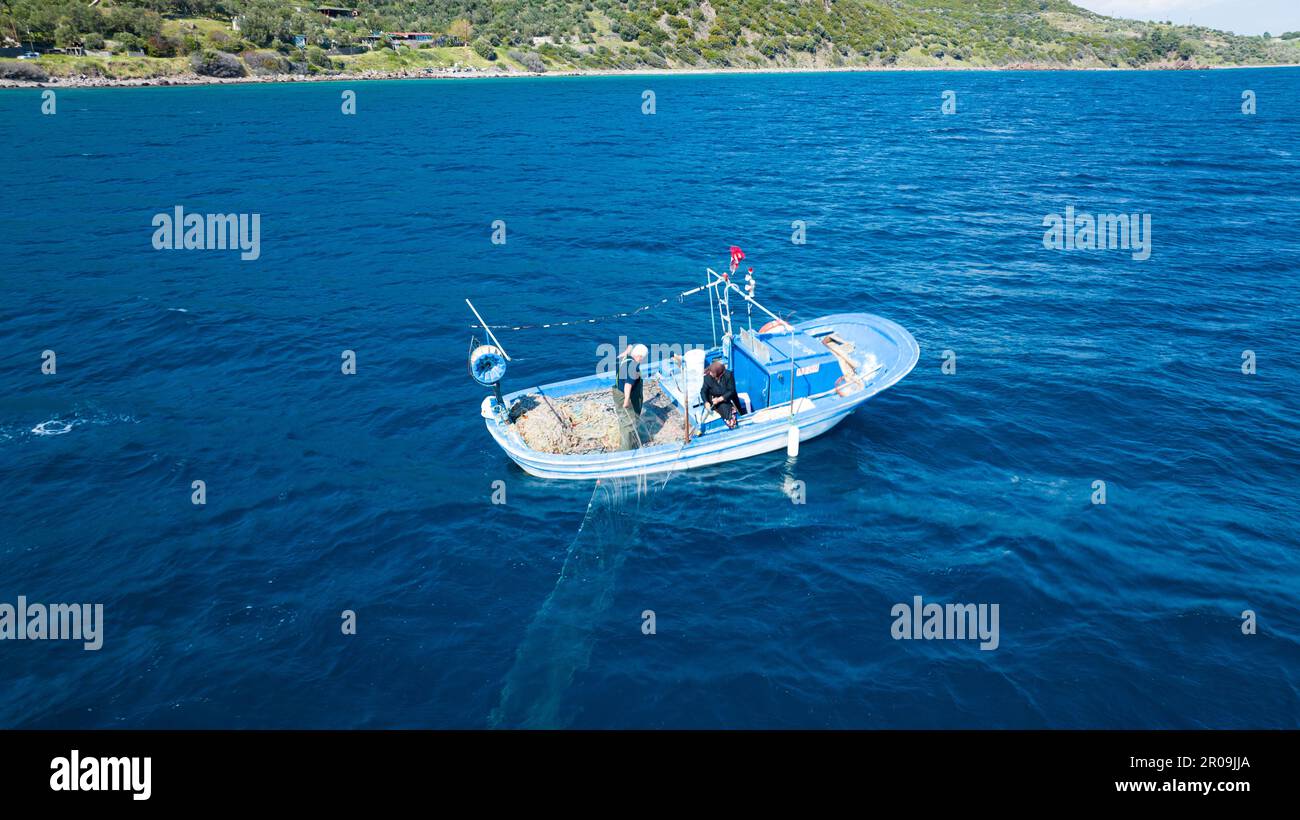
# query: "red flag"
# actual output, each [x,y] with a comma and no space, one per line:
[736,255]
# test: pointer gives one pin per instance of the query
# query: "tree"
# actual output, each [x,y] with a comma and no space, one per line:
[460,29]
[126,41]
[264,22]
[66,36]
[483,47]
[140,22]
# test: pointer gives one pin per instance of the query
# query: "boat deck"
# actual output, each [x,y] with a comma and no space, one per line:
[588,423]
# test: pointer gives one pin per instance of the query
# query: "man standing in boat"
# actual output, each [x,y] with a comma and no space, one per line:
[628,394]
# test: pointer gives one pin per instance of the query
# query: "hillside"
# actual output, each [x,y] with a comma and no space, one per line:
[159,37]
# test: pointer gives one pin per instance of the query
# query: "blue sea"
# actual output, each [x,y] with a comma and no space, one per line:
[373,492]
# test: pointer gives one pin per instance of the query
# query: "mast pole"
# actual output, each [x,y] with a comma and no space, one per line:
[751,300]
[713,320]
[488,330]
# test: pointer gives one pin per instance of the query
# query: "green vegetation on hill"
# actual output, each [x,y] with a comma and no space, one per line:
[538,35]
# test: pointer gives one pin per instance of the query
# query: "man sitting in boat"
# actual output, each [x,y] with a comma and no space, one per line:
[628,393]
[719,393]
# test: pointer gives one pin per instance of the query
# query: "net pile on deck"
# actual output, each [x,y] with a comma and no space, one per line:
[588,422]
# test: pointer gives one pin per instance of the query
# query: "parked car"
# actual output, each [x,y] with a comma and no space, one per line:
[30,55]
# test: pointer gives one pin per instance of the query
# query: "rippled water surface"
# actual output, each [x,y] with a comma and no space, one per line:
[372,492]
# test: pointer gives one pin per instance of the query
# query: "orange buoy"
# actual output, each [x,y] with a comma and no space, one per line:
[775,324]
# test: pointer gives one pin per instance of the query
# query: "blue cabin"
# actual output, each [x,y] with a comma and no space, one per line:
[778,367]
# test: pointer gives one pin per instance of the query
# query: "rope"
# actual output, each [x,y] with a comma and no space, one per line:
[625,314]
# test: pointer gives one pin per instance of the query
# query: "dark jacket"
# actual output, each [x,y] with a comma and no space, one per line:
[723,387]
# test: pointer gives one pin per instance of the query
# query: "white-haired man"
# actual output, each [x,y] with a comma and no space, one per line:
[630,370]
[629,392]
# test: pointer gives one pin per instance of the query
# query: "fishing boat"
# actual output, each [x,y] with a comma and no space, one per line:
[800,379]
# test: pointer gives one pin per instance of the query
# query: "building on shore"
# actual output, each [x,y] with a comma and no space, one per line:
[333,12]
[412,36]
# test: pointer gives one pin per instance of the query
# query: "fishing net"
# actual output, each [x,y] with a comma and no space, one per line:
[558,643]
[589,422]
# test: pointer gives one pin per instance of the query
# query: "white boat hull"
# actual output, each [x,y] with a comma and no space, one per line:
[774,440]
[766,431]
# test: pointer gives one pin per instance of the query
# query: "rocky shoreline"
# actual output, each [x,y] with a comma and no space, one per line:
[190,78]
